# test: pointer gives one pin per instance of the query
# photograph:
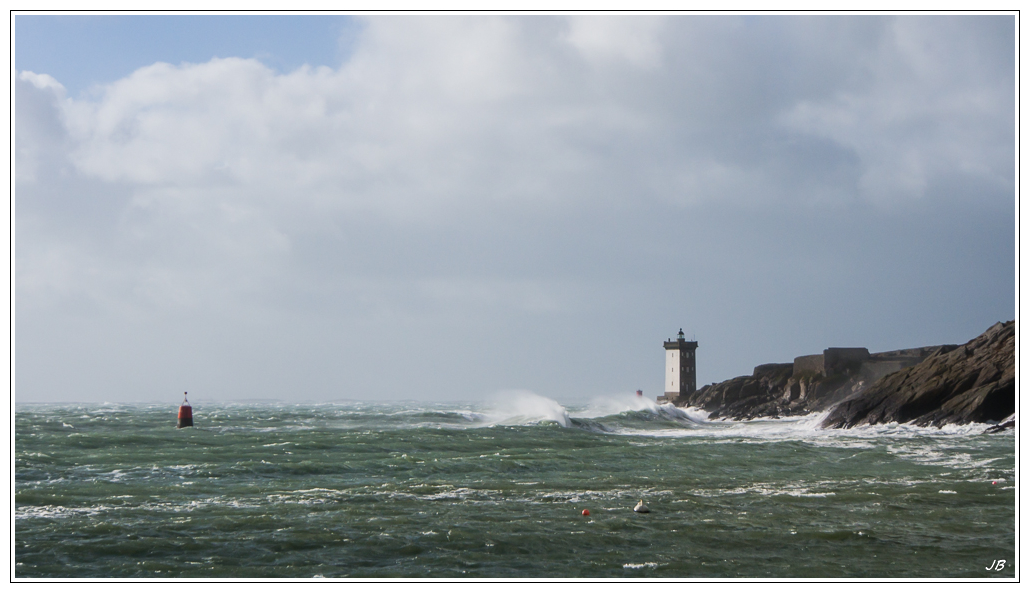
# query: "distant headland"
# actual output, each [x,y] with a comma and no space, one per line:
[929,386]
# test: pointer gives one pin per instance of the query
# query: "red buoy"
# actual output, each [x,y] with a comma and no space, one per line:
[586,513]
[185,413]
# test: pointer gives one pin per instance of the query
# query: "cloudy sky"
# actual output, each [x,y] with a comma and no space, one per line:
[443,208]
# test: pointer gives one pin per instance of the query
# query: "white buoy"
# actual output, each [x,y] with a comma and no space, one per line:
[641,508]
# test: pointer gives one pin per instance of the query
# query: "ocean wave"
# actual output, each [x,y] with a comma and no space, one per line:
[491,493]
[940,454]
[576,496]
[24,512]
[626,415]
[522,408]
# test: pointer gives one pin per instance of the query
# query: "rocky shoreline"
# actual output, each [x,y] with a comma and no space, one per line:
[930,386]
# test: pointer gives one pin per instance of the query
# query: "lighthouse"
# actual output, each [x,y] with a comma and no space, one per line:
[680,368]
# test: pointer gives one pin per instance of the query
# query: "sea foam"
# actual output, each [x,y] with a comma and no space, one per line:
[524,407]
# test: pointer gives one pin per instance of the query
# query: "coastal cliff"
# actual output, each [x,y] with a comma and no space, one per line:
[975,382]
[933,385]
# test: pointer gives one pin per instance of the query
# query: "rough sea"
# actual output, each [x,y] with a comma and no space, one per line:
[498,490]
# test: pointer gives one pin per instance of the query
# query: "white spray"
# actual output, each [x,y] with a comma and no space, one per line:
[525,407]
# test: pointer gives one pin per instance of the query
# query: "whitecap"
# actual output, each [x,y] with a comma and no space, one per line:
[524,408]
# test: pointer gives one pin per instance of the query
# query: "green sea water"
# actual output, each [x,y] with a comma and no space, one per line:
[350,490]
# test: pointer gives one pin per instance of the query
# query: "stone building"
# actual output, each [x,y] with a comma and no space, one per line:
[831,362]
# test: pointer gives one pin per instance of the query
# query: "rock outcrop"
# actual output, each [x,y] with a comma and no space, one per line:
[933,385]
[811,384]
[764,393]
[1002,426]
[975,382]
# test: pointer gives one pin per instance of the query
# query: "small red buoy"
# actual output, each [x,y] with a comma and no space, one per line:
[586,513]
[185,413]
[994,483]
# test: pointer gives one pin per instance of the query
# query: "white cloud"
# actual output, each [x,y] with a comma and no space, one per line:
[505,168]
[42,82]
[442,112]
[39,131]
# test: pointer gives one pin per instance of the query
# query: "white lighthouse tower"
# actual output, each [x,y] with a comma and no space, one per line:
[680,368]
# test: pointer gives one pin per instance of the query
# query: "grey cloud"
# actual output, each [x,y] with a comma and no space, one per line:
[523,202]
